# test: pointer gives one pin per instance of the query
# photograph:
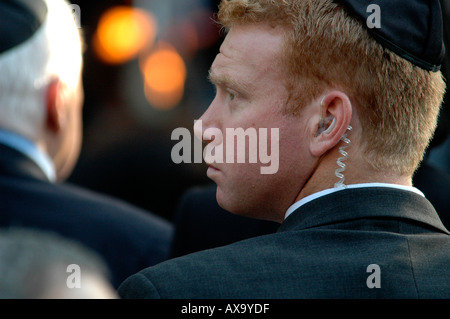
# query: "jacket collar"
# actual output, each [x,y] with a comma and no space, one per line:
[362,203]
[27,148]
[14,163]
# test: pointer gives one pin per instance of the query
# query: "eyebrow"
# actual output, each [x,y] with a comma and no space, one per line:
[227,81]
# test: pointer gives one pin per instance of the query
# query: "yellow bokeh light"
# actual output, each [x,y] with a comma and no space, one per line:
[161,100]
[122,33]
[164,74]
[164,70]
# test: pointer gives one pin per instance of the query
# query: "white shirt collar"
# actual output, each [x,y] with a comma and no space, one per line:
[30,150]
[314,196]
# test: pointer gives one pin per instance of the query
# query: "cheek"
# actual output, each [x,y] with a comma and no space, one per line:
[296,162]
[295,155]
[243,188]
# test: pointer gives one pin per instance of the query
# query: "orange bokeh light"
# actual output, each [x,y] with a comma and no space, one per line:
[122,33]
[164,73]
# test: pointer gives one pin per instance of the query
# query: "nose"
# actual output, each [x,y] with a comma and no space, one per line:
[208,130]
[206,124]
[198,129]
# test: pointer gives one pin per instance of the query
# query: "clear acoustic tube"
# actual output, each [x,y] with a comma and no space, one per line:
[340,161]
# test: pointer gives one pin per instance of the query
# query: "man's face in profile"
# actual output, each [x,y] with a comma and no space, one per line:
[249,77]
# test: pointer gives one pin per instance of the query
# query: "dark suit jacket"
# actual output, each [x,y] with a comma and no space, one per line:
[323,250]
[201,223]
[128,239]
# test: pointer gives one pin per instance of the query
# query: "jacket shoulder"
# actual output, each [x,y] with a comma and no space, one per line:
[313,263]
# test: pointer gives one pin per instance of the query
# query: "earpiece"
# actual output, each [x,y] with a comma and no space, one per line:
[331,127]
[323,126]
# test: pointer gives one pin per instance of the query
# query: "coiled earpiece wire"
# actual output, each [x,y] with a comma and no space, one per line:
[340,161]
[342,150]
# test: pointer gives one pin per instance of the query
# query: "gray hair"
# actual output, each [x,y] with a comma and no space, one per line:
[54,51]
[34,264]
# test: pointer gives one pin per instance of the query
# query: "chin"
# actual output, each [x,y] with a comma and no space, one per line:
[227,203]
[241,206]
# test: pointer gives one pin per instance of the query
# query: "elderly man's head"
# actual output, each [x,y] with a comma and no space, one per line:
[40,78]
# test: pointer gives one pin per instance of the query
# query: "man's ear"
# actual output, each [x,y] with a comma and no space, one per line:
[54,100]
[335,114]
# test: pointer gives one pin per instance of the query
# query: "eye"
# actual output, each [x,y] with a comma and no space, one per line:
[231,95]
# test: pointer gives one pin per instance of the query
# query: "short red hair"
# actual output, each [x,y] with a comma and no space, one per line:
[397,103]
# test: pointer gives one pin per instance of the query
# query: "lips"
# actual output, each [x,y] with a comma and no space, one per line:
[213,167]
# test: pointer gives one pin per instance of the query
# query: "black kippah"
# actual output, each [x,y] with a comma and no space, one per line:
[19,20]
[413,29]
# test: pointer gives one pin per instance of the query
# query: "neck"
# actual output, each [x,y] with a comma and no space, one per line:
[357,172]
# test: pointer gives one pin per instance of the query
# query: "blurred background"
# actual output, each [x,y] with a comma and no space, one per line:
[146,67]
[145,74]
